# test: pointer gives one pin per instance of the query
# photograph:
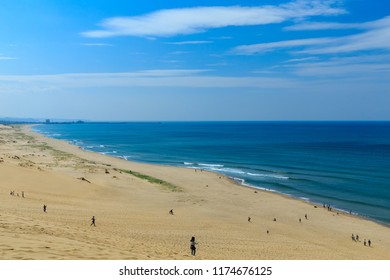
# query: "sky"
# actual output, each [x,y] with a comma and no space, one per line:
[122,60]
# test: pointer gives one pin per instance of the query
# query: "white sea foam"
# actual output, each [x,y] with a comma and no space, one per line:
[188,163]
[222,169]
[227,170]
[268,175]
[210,165]
[242,182]
[239,180]
[124,157]
[76,142]
[304,198]
[112,152]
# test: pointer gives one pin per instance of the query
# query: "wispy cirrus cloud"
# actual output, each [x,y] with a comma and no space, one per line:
[165,23]
[376,37]
[295,60]
[190,43]
[342,67]
[309,26]
[96,45]
[160,78]
[312,26]
[266,47]
[6,57]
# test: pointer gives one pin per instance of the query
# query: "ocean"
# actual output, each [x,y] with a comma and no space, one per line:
[343,164]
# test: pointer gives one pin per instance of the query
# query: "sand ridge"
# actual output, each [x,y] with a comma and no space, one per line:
[132,212]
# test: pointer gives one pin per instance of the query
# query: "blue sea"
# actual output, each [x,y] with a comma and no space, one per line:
[343,164]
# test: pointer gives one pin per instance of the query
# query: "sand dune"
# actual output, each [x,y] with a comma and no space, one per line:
[131,210]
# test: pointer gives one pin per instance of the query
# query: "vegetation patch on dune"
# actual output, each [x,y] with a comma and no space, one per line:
[152,180]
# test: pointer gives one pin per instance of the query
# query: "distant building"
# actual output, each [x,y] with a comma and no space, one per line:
[48,121]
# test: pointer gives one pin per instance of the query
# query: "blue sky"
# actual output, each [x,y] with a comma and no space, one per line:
[195,60]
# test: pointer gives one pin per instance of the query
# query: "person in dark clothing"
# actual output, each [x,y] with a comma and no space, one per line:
[192,246]
[93,221]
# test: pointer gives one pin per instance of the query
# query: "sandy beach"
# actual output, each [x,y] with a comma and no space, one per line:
[131,203]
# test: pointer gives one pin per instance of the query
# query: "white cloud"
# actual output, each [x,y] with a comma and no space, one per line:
[266,47]
[179,52]
[377,37]
[301,59]
[222,38]
[341,71]
[3,57]
[180,78]
[97,45]
[198,19]
[308,26]
[190,42]
[359,66]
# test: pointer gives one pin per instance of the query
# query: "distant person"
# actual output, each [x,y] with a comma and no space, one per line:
[93,221]
[192,246]
[353,237]
[300,220]
[274,219]
[365,242]
[249,219]
[306,216]
[22,194]
[267,231]
[369,243]
[171,211]
[357,237]
[44,208]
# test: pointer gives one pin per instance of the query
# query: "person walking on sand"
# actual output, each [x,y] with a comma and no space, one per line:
[192,246]
[249,219]
[369,243]
[171,211]
[93,221]
[44,208]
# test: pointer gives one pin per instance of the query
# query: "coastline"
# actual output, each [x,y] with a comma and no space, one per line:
[206,204]
[235,180]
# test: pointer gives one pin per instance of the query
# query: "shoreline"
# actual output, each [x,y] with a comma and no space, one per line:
[234,180]
[131,201]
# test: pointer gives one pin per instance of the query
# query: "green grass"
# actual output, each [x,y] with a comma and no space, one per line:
[152,180]
[40,146]
[22,136]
